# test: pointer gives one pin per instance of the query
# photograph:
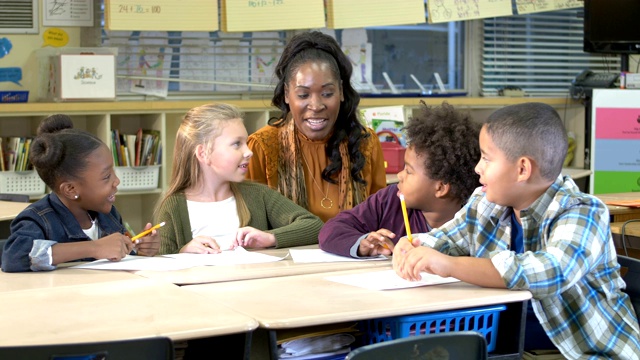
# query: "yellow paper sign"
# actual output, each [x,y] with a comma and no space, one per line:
[454,10]
[55,37]
[532,6]
[271,15]
[161,15]
[343,14]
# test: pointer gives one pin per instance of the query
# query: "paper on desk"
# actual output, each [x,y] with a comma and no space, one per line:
[319,255]
[238,256]
[181,261]
[132,262]
[388,280]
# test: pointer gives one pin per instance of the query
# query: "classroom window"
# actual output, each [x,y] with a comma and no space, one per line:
[421,50]
[540,53]
[241,64]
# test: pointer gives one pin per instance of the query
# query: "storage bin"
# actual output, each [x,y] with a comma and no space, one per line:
[21,182]
[134,178]
[483,320]
[392,152]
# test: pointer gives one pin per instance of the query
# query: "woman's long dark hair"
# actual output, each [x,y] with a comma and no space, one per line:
[315,46]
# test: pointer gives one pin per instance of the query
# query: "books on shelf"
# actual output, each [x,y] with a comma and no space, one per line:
[14,153]
[140,149]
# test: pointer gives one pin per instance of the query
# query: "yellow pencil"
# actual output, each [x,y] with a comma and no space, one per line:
[147,232]
[406,218]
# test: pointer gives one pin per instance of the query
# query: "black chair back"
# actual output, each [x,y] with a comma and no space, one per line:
[459,345]
[157,348]
[632,278]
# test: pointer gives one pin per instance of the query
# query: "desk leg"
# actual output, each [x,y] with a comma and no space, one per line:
[510,341]
[264,345]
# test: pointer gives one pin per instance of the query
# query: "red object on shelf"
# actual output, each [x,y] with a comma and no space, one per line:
[393,153]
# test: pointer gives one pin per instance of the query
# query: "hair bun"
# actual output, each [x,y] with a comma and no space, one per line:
[54,124]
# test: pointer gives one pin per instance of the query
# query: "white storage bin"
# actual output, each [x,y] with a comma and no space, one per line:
[134,178]
[21,182]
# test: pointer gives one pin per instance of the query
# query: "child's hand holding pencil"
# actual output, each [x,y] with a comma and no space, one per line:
[147,243]
[377,243]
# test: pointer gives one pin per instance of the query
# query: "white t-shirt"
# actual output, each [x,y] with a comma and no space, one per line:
[92,232]
[218,219]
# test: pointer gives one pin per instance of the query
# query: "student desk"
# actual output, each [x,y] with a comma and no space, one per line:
[307,300]
[286,267]
[621,213]
[632,237]
[63,276]
[10,209]
[113,310]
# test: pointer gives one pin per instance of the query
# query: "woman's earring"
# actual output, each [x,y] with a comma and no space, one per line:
[76,197]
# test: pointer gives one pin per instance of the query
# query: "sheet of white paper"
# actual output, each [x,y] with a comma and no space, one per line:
[319,255]
[228,257]
[131,262]
[388,280]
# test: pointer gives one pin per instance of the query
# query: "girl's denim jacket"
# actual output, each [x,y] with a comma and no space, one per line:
[44,224]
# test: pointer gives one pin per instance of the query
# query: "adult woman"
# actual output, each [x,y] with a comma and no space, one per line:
[317,153]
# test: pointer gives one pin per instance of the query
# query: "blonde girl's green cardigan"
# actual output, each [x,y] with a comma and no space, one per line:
[270,211]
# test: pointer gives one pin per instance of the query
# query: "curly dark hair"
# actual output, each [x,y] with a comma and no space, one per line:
[315,46]
[59,151]
[448,142]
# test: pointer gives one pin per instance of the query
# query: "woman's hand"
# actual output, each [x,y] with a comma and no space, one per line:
[201,245]
[253,238]
[377,243]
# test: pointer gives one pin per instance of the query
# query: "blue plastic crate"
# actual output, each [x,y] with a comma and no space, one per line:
[483,320]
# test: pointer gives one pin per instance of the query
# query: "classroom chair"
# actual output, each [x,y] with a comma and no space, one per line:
[156,348]
[14,197]
[460,345]
[631,276]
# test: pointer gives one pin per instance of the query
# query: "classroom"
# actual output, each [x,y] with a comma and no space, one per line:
[127,72]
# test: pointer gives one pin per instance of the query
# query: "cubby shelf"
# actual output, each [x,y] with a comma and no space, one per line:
[136,207]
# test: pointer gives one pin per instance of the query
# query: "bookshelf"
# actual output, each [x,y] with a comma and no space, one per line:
[136,207]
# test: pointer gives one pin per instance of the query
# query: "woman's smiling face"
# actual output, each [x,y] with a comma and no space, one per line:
[314,94]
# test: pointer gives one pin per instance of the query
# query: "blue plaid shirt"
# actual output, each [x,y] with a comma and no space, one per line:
[569,265]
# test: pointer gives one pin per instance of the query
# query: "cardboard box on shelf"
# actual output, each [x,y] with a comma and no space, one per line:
[71,74]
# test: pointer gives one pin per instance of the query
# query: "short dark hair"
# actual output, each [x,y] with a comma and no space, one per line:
[531,129]
[59,151]
[447,141]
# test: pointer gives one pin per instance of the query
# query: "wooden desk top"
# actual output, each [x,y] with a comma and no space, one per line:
[115,310]
[306,300]
[286,267]
[617,210]
[59,278]
[10,209]
[631,229]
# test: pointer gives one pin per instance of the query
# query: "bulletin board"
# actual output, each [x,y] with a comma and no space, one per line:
[342,14]
[161,15]
[271,15]
[455,10]
[615,139]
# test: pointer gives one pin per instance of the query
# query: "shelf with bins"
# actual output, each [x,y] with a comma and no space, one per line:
[20,182]
[137,206]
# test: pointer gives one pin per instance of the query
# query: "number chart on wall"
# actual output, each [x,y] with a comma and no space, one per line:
[615,135]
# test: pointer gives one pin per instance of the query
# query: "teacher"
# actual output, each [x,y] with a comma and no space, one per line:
[317,153]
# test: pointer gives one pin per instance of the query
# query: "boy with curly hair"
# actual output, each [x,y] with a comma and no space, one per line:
[530,228]
[436,182]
